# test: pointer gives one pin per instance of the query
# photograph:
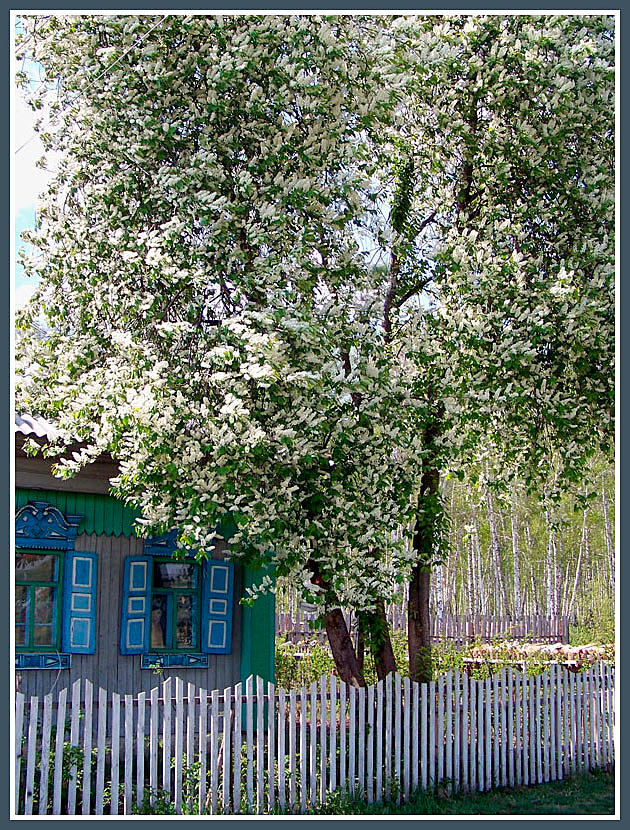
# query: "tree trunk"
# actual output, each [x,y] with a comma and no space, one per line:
[343,651]
[516,564]
[419,625]
[376,631]
[496,554]
[610,548]
[418,613]
[341,646]
[578,568]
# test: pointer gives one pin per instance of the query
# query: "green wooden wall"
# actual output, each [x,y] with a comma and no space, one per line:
[102,515]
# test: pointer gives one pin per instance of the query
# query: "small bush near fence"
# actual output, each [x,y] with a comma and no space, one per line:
[258,749]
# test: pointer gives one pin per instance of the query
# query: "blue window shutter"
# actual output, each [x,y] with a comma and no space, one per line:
[79,602]
[136,601]
[217,601]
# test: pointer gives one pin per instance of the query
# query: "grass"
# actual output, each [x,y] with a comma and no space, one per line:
[590,793]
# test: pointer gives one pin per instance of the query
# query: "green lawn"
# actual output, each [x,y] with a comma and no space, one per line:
[592,793]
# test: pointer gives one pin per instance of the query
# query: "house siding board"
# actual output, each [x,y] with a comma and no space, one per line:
[102,515]
[122,673]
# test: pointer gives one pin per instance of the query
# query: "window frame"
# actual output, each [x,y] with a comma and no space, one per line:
[31,586]
[171,629]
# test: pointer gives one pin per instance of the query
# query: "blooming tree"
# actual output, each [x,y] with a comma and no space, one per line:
[292,267]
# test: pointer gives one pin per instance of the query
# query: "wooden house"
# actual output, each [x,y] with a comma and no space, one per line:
[92,600]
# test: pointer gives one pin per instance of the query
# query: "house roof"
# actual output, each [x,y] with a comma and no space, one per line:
[29,425]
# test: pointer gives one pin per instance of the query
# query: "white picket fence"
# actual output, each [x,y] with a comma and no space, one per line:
[260,750]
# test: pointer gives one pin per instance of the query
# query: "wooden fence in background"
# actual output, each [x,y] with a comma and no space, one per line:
[294,624]
[256,749]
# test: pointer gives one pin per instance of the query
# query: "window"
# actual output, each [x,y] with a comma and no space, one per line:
[38,577]
[175,610]
[55,589]
[175,606]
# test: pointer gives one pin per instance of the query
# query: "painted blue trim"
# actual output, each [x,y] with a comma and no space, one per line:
[41,526]
[136,605]
[78,633]
[217,603]
[24,662]
[170,661]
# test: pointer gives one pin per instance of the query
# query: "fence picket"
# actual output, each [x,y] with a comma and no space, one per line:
[518,707]
[531,718]
[415,722]
[292,750]
[237,746]
[214,751]
[509,740]
[74,741]
[557,687]
[31,751]
[249,732]
[397,733]
[45,755]
[203,748]
[333,734]
[59,742]
[495,730]
[474,742]
[303,745]
[179,742]
[388,734]
[440,730]
[548,734]
[128,754]
[432,731]
[140,750]
[260,744]
[227,744]
[488,732]
[190,732]
[115,796]
[154,717]
[464,734]
[481,744]
[271,741]
[592,709]
[424,736]
[281,749]
[352,695]
[323,718]
[406,738]
[166,736]
[313,744]
[361,742]
[370,745]
[456,731]
[342,735]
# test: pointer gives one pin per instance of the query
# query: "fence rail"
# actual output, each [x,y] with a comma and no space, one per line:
[294,624]
[256,749]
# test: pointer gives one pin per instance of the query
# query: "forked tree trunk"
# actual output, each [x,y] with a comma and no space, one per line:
[341,646]
[343,651]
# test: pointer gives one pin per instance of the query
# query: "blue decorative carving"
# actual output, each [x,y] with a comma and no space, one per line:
[165,545]
[171,661]
[39,525]
[42,661]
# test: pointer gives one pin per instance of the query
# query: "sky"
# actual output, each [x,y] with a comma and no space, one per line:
[29,180]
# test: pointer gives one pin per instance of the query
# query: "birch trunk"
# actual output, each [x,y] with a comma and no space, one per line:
[584,544]
[610,548]
[496,554]
[516,563]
